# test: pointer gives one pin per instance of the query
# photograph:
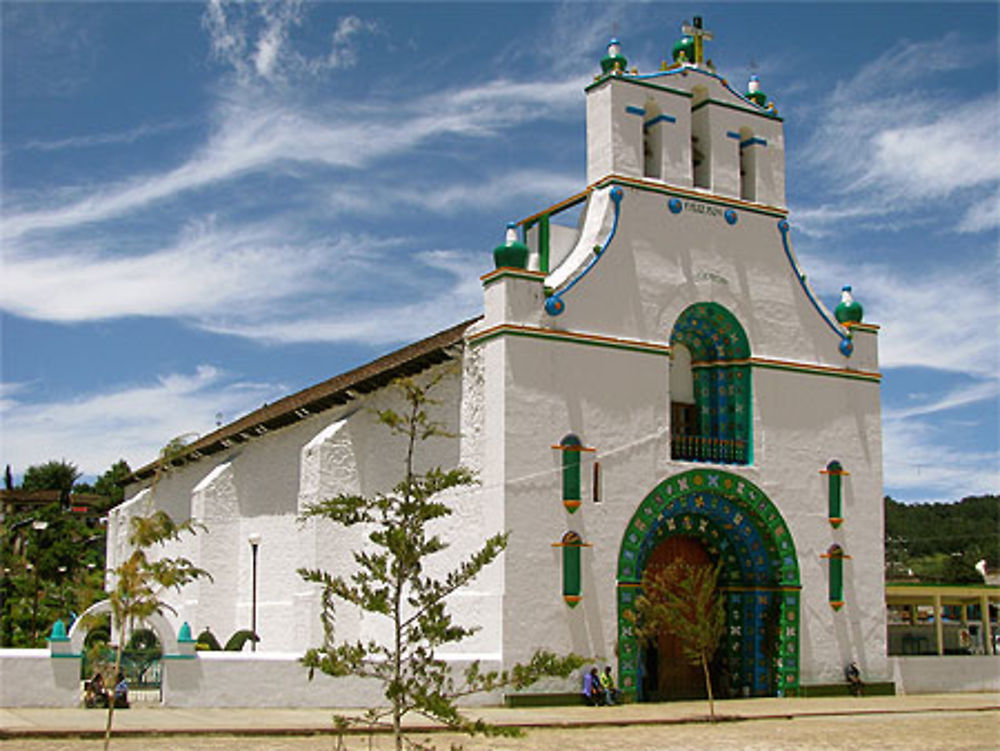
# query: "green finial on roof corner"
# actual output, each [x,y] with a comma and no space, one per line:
[512,254]
[614,62]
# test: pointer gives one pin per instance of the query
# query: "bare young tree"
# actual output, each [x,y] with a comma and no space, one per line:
[391,580]
[683,599]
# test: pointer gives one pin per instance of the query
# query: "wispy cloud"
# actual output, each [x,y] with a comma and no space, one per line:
[974,393]
[132,422]
[104,139]
[255,40]
[255,134]
[209,270]
[922,464]
[945,322]
[893,138]
[493,191]
[456,297]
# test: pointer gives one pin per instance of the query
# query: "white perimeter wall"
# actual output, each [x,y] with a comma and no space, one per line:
[936,674]
[32,678]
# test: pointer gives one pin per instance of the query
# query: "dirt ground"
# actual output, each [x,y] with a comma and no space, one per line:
[932,731]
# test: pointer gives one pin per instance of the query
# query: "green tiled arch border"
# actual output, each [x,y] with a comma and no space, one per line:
[747,500]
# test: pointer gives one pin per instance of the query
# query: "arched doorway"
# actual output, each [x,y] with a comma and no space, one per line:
[718,516]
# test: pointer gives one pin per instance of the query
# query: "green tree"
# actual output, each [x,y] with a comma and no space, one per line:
[683,599]
[53,475]
[140,580]
[942,541]
[53,566]
[110,483]
[391,581]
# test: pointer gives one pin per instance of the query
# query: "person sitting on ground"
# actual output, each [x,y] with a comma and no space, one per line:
[121,692]
[853,675]
[95,695]
[608,687]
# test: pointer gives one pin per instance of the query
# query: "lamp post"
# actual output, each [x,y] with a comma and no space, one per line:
[254,539]
[39,525]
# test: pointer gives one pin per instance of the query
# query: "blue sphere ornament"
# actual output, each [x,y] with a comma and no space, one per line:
[731,216]
[846,347]
[554,306]
[783,225]
[675,205]
[617,194]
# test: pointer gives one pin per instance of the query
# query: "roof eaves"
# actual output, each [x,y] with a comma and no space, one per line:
[328,394]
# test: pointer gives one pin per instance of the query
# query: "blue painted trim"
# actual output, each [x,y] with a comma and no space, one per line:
[67,656]
[752,142]
[691,69]
[555,305]
[179,657]
[659,119]
[846,346]
[635,111]
[733,134]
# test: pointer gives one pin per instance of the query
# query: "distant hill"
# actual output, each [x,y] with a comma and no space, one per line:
[942,542]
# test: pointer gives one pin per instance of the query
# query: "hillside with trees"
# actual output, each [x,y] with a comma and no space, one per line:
[942,542]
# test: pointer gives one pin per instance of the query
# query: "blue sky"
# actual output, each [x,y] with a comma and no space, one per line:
[208,206]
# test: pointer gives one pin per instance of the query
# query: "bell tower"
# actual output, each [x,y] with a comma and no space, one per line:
[685,126]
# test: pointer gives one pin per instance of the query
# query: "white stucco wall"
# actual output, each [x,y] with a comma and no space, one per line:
[32,678]
[262,486]
[934,674]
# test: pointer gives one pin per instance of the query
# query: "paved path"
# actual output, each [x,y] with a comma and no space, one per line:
[969,722]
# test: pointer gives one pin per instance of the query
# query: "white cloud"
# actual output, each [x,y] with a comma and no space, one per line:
[255,134]
[946,321]
[963,396]
[133,422]
[255,40]
[494,191]
[452,301]
[893,140]
[104,139]
[921,463]
[209,270]
[343,42]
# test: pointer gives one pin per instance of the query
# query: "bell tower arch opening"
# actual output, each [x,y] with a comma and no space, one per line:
[652,141]
[701,144]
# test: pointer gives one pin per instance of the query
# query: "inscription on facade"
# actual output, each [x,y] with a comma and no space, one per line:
[708,276]
[702,208]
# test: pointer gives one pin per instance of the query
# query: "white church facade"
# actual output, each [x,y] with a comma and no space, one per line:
[652,378]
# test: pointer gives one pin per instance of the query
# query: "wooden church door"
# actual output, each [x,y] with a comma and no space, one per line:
[673,676]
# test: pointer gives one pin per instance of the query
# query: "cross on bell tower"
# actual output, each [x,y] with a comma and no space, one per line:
[700,36]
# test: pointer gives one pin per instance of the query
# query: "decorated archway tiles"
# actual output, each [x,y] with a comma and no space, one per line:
[711,333]
[722,389]
[738,525]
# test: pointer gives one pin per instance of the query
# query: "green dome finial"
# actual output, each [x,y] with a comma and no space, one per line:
[58,631]
[849,310]
[513,254]
[683,51]
[614,62]
[754,94]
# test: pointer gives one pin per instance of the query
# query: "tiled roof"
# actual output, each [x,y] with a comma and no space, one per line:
[330,393]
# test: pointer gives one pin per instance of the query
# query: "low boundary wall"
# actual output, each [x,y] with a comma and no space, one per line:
[39,678]
[42,678]
[935,674]
[34,678]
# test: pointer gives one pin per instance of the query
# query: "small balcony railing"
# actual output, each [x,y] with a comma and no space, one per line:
[695,448]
